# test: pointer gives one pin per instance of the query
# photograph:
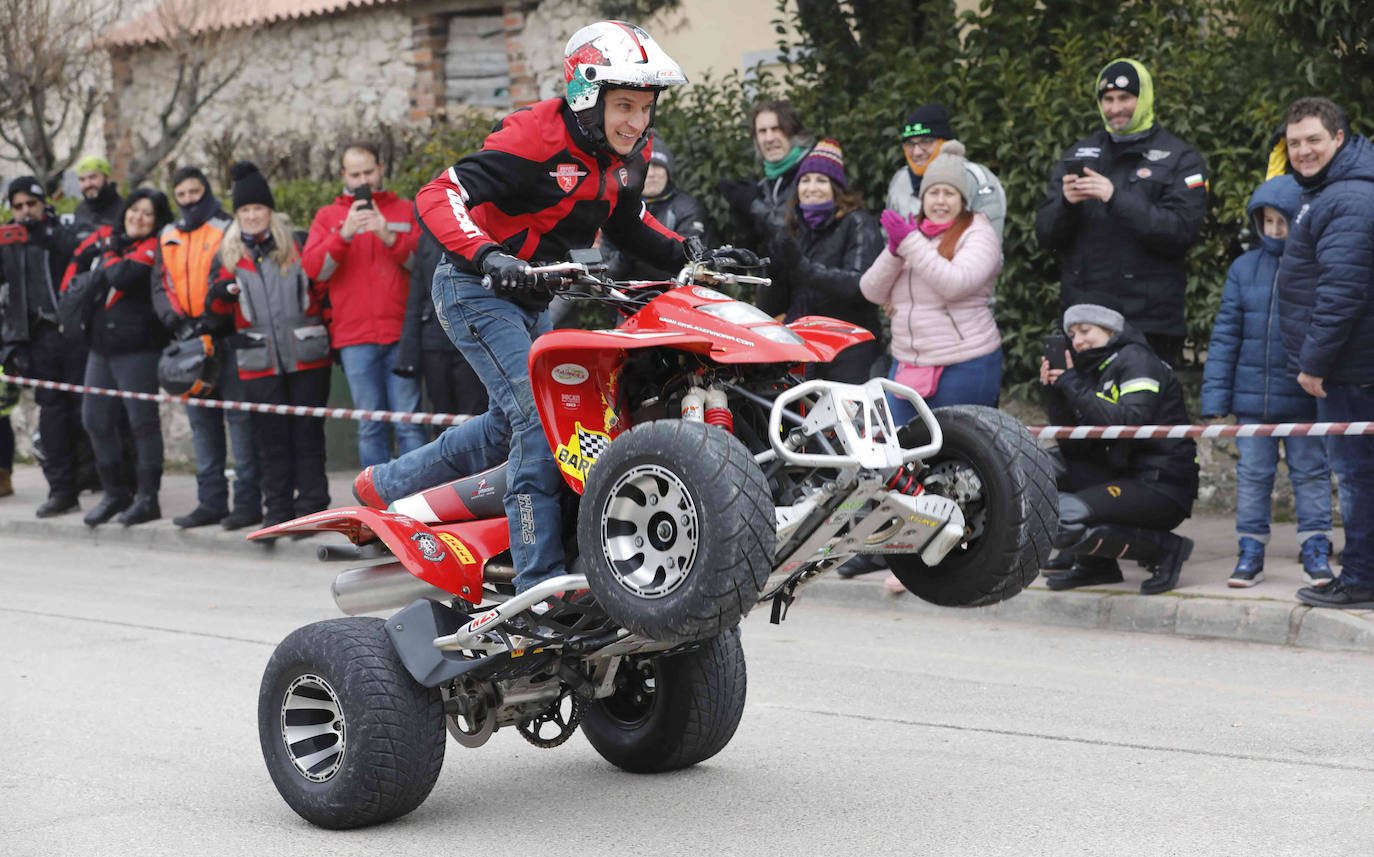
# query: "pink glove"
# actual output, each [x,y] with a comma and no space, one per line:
[897,226]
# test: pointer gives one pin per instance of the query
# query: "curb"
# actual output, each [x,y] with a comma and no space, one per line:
[1277,623]
[1251,620]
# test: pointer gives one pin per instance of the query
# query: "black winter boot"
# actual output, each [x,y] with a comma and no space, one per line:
[117,497]
[1173,552]
[145,507]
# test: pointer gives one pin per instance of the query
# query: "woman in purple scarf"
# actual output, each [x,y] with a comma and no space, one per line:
[826,245]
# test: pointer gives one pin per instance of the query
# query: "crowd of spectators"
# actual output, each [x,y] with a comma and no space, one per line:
[1123,206]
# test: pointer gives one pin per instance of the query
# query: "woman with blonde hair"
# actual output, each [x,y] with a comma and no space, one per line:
[282,344]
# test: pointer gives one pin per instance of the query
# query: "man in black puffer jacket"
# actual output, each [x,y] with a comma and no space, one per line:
[1326,309]
[674,207]
[1146,486]
[1124,206]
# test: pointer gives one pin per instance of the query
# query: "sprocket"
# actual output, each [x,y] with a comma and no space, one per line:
[566,724]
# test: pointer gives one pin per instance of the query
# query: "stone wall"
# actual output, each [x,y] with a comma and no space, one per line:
[311,79]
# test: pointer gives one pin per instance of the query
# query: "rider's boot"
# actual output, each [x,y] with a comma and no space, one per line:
[365,490]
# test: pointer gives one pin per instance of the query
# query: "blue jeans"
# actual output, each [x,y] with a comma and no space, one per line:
[494,335]
[972,382]
[207,439]
[1353,459]
[374,388]
[1307,470]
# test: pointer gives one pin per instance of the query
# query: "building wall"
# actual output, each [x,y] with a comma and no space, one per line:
[308,78]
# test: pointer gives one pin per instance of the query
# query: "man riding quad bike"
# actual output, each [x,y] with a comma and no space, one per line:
[699,473]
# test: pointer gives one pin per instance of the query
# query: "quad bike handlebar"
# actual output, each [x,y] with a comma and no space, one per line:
[558,276]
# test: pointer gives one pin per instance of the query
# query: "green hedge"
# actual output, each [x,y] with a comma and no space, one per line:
[1017,76]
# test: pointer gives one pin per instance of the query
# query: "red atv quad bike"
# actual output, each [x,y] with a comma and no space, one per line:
[704,476]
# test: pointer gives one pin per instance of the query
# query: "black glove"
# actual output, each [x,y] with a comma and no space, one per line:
[15,359]
[739,193]
[408,372]
[222,290]
[735,257]
[508,273]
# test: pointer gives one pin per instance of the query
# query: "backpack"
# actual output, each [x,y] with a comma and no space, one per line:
[78,302]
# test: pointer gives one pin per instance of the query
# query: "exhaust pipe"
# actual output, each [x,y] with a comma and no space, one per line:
[379,588]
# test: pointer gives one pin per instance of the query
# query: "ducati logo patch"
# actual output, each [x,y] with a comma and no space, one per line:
[567,176]
[624,177]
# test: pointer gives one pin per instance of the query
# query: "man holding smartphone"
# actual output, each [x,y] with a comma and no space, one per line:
[361,247]
[1124,205]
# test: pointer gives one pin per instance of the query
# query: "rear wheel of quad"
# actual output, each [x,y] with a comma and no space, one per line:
[676,530]
[673,711]
[991,465]
[349,737]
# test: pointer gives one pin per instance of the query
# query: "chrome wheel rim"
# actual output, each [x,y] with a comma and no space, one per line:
[312,728]
[649,531]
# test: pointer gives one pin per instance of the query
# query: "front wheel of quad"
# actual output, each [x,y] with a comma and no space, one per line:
[676,530]
[349,737]
[672,711]
[991,466]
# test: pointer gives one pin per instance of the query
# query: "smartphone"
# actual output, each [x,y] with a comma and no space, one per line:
[1075,166]
[13,233]
[364,193]
[1055,346]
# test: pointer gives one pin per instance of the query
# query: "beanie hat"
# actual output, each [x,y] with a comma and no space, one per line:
[661,154]
[184,173]
[250,186]
[825,158]
[92,164]
[1119,74]
[1128,75]
[948,167]
[928,120]
[1108,319]
[25,184]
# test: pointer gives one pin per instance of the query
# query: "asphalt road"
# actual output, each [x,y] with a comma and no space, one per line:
[129,682]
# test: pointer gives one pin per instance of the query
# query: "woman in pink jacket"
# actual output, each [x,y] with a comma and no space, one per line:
[935,278]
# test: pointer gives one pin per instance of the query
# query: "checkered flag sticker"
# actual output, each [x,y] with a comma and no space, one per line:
[592,445]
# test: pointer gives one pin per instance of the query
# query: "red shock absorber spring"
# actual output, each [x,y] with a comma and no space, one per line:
[904,480]
[718,410]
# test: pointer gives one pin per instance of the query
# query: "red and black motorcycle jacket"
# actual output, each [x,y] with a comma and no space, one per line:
[125,320]
[538,188]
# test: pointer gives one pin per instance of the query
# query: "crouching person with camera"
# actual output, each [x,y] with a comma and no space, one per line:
[1119,499]
[282,345]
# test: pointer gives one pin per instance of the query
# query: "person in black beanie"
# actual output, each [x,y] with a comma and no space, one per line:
[31,339]
[281,344]
[1124,205]
[186,252]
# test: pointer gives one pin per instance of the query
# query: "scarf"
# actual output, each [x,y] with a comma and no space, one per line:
[816,213]
[921,170]
[930,229]
[774,169]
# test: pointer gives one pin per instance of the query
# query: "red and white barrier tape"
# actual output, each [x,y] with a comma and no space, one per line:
[1040,432]
[259,407]
[1249,430]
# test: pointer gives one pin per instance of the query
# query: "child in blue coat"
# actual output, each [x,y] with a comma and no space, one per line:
[1247,375]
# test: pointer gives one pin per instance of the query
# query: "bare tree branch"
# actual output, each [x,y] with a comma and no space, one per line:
[208,55]
[50,66]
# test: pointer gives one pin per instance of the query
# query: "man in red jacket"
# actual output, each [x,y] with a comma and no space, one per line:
[545,181]
[360,248]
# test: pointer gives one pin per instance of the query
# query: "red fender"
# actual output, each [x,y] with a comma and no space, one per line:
[434,557]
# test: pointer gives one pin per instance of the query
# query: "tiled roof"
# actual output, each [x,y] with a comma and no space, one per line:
[203,16]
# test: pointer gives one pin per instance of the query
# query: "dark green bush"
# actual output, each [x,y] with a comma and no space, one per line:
[1017,76]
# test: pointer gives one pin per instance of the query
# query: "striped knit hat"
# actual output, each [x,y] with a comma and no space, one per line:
[827,159]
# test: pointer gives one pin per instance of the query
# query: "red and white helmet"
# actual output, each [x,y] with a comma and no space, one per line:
[614,55]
